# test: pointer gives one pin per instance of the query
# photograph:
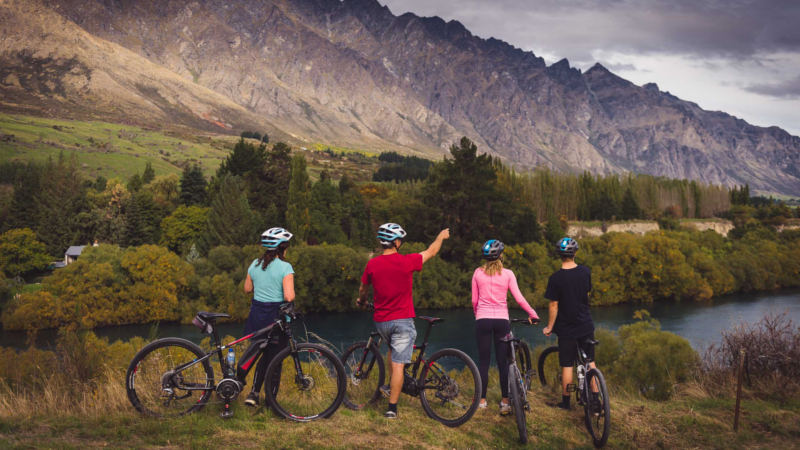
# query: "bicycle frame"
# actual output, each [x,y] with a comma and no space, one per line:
[377,339]
[581,369]
[259,341]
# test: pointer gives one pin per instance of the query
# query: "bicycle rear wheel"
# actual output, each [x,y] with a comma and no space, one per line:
[165,379]
[597,410]
[516,393]
[365,372]
[307,384]
[523,356]
[549,368]
[450,387]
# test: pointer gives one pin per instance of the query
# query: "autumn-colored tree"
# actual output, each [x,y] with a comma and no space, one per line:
[21,252]
[183,227]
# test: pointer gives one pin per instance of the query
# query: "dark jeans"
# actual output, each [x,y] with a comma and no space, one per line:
[488,331]
[261,315]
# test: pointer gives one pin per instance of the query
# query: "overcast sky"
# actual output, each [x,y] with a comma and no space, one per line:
[737,56]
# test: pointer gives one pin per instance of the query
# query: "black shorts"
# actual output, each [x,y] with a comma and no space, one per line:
[568,350]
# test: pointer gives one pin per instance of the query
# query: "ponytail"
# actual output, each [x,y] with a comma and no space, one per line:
[272,253]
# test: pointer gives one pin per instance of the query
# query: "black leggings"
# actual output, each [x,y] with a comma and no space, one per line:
[277,344]
[488,331]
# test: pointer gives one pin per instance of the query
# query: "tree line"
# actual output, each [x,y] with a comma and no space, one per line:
[209,226]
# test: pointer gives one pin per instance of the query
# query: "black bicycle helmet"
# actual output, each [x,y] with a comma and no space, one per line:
[567,247]
[492,249]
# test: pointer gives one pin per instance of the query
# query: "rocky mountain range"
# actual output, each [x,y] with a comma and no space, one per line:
[351,73]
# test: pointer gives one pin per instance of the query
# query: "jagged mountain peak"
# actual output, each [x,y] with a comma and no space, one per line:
[352,73]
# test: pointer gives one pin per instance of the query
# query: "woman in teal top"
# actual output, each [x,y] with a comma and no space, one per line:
[271,280]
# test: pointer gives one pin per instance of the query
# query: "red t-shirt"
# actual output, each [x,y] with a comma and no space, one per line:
[391,277]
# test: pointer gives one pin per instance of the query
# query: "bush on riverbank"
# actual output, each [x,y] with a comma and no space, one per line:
[772,358]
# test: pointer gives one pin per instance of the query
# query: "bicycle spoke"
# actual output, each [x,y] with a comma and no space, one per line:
[365,373]
[307,394]
[156,388]
[450,387]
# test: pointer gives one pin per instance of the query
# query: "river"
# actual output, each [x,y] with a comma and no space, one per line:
[699,322]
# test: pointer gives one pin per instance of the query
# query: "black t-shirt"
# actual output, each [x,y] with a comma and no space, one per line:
[570,288]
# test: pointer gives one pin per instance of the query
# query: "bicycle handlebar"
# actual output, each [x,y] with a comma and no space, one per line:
[525,321]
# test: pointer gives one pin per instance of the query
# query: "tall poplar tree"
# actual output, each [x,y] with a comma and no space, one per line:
[298,215]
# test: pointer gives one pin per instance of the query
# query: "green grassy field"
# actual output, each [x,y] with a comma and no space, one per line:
[114,150]
[108,149]
[692,420]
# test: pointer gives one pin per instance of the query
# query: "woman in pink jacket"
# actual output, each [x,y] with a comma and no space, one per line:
[490,286]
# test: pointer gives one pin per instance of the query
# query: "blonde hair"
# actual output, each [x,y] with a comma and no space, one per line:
[493,268]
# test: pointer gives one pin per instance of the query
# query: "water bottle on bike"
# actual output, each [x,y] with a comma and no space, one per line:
[231,362]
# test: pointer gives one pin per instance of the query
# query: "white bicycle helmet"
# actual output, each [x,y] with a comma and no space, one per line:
[273,237]
[388,232]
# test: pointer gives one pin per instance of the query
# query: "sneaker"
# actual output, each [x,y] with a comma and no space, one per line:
[385,390]
[252,399]
[482,404]
[505,409]
[390,415]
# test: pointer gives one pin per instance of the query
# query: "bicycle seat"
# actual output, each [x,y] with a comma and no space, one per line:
[508,338]
[591,341]
[205,315]
[431,320]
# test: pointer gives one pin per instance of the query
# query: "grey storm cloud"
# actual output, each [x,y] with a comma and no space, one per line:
[574,28]
[789,89]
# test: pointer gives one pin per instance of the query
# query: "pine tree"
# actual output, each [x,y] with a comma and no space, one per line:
[193,186]
[298,216]
[463,188]
[59,202]
[326,211]
[149,174]
[141,220]
[23,212]
[230,221]
[244,158]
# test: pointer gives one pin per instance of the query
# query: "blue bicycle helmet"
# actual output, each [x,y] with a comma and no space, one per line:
[567,247]
[492,249]
[388,232]
[273,237]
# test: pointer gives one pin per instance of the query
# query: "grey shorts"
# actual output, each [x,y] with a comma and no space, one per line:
[400,335]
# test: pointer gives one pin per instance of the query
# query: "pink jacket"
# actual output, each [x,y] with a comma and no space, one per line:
[489,295]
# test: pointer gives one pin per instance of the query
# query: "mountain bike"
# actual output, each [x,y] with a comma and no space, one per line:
[519,379]
[597,410]
[173,376]
[449,386]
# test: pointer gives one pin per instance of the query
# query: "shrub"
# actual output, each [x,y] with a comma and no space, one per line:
[772,355]
[652,361]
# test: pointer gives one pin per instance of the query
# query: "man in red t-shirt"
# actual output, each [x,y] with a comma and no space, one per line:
[391,275]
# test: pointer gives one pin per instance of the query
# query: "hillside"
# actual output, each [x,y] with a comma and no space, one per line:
[351,73]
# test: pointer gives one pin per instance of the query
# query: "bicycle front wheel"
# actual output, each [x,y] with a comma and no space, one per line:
[306,384]
[516,393]
[549,368]
[523,356]
[365,372]
[450,387]
[166,379]
[597,409]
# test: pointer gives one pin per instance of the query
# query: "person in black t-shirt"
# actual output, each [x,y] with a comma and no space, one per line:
[569,318]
